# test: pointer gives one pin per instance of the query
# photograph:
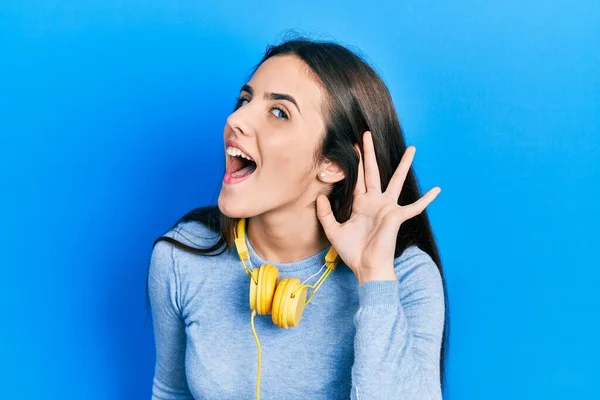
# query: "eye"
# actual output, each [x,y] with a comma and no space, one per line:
[279,113]
[240,102]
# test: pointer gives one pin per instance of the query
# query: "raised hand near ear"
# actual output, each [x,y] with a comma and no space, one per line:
[366,242]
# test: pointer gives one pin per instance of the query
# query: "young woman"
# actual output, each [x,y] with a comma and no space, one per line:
[319,185]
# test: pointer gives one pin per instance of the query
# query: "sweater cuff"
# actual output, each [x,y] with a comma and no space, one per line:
[379,293]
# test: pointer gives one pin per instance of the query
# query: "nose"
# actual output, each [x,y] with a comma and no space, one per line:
[240,121]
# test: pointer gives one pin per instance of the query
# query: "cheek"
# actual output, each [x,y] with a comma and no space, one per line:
[282,155]
[288,159]
[283,166]
[294,171]
[298,161]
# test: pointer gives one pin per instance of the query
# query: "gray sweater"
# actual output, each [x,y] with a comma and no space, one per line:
[379,340]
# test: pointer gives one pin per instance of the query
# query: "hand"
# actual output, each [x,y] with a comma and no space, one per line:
[367,241]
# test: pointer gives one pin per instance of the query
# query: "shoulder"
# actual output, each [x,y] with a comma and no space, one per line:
[417,272]
[191,233]
[195,233]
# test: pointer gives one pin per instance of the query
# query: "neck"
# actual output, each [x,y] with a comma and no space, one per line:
[286,236]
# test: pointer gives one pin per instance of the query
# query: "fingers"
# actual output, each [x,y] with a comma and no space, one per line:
[394,188]
[325,215]
[360,187]
[418,206]
[372,180]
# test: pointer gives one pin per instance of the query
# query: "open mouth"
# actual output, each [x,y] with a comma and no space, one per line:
[240,165]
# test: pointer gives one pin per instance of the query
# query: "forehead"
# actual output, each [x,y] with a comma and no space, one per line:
[290,75]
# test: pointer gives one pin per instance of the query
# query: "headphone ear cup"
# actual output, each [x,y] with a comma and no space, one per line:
[268,279]
[294,306]
[277,300]
[289,309]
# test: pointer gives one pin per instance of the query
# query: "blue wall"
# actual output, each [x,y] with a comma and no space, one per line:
[110,129]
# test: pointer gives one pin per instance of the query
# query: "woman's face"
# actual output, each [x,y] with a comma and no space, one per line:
[279,125]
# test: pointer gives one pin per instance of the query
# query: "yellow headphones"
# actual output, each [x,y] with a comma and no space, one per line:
[284,300]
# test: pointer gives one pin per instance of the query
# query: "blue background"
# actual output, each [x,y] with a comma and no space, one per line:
[111,116]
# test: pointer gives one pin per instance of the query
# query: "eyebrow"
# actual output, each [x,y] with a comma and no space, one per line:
[273,96]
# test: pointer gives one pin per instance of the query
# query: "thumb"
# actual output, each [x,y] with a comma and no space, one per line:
[326,216]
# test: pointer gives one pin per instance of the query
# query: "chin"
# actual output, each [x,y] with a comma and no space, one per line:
[232,207]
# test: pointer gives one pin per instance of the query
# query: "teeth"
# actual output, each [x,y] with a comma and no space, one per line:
[235,152]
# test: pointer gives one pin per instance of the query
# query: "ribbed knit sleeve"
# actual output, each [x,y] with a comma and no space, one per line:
[399,326]
[169,381]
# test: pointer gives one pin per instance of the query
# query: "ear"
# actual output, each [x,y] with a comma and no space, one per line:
[333,172]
